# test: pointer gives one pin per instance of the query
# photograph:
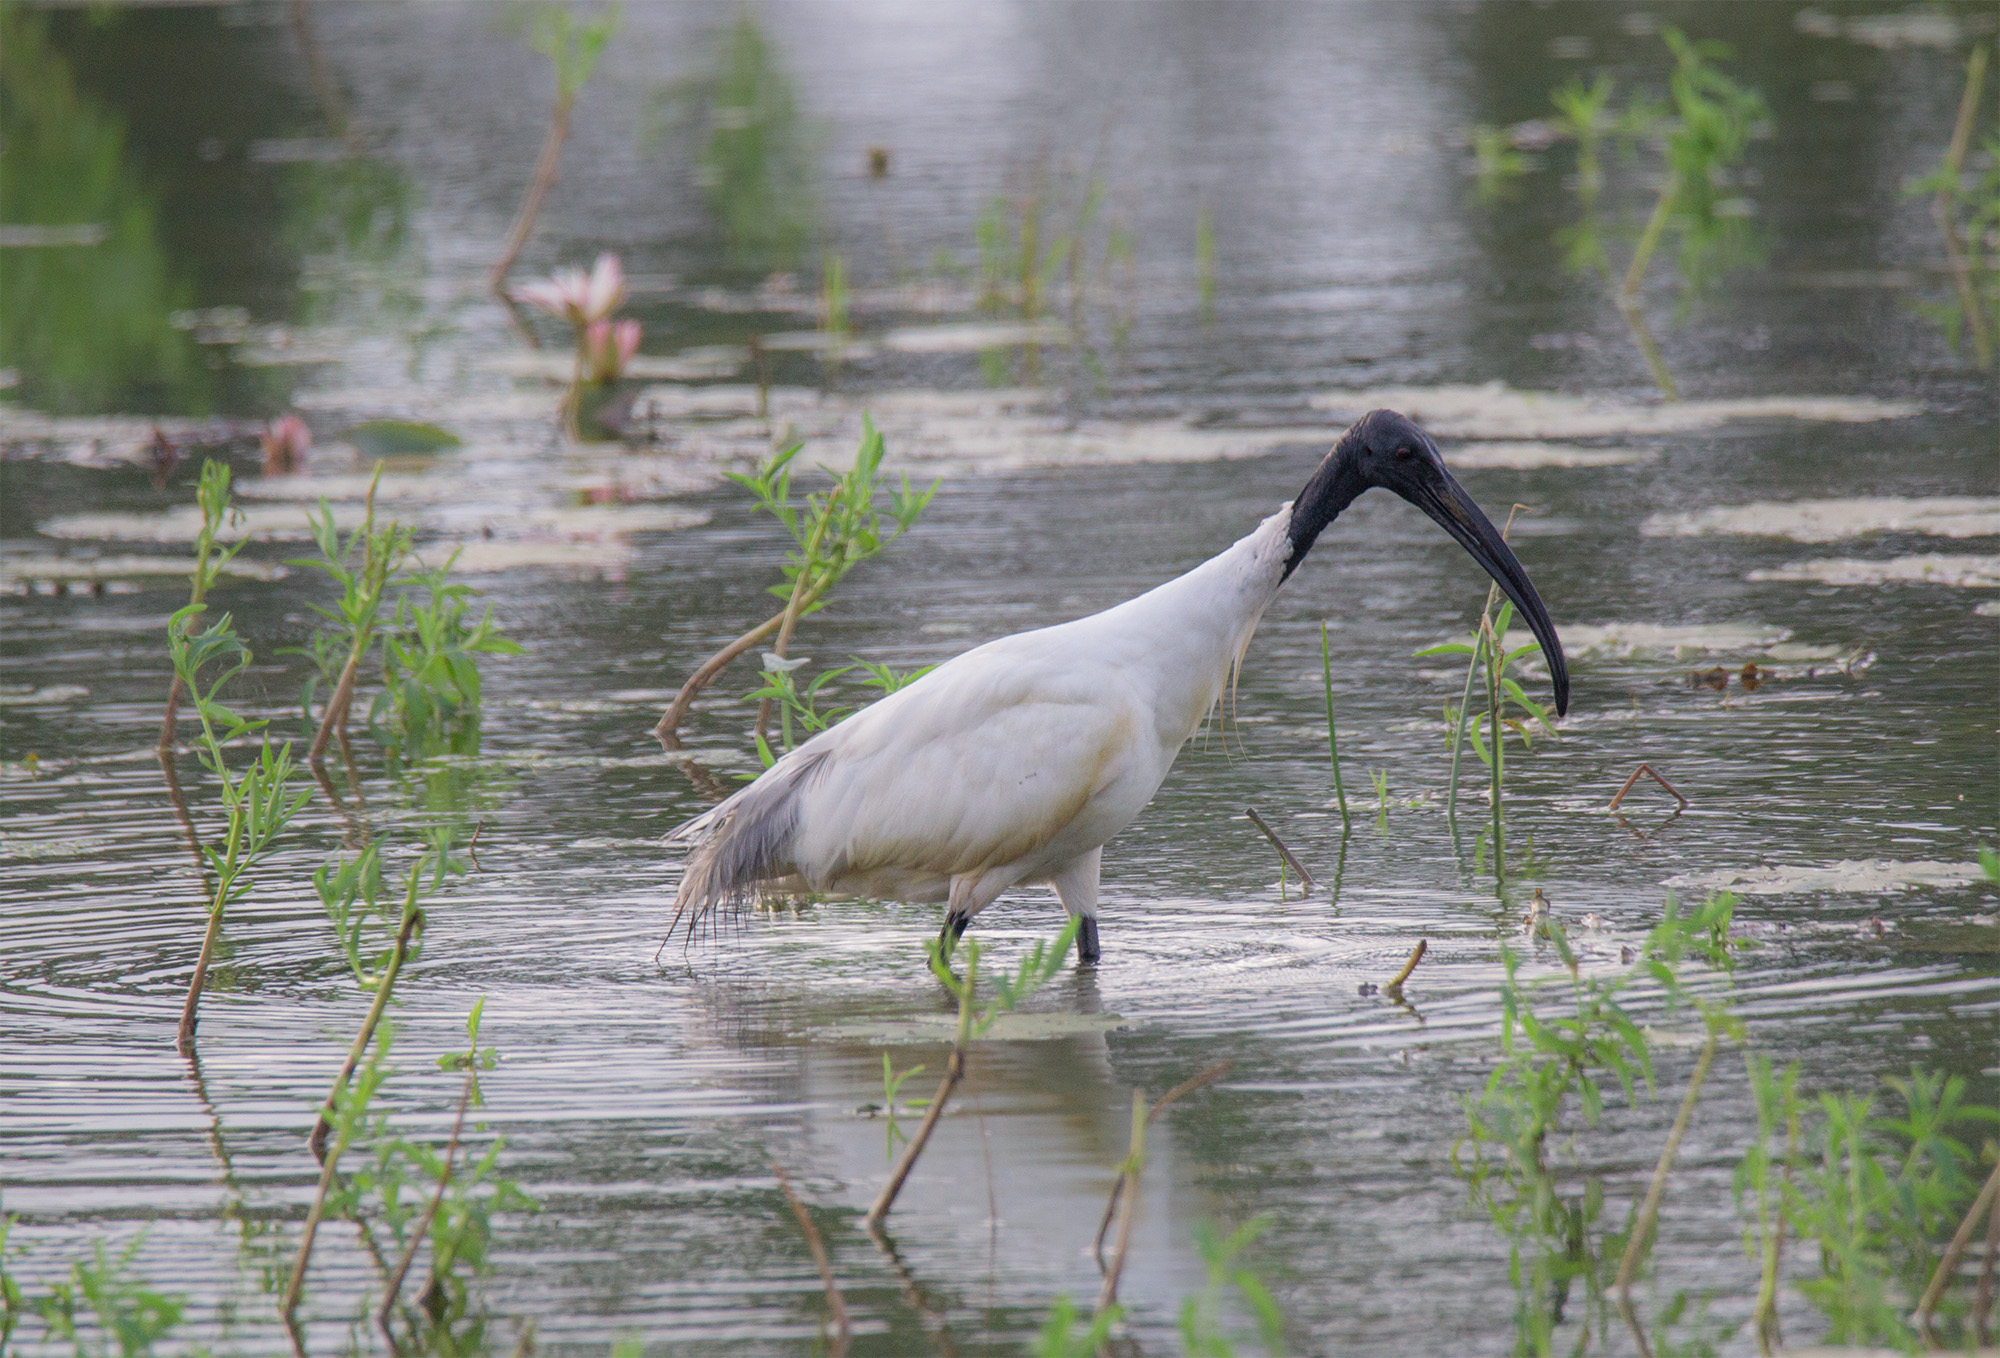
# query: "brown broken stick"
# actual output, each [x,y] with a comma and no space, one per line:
[1395,987]
[1306,882]
[1652,773]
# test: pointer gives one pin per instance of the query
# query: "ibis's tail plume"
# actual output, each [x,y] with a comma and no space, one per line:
[741,844]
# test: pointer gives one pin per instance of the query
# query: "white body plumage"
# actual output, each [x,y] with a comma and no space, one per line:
[1017,760]
[1012,763]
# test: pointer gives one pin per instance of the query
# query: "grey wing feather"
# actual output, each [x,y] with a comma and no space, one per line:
[743,842]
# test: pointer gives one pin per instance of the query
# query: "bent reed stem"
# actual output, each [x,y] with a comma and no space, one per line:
[412,922]
[954,1071]
[421,1230]
[1649,1210]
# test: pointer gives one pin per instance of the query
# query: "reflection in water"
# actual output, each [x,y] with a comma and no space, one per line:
[86,327]
[756,163]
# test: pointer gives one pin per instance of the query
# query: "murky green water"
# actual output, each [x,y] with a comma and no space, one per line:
[249,265]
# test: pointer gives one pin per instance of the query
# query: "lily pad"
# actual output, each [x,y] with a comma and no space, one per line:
[396,438]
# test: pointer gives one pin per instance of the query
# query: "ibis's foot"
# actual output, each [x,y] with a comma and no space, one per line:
[1086,942]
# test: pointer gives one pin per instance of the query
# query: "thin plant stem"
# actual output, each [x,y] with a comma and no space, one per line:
[1128,1182]
[1285,855]
[225,878]
[1649,1210]
[422,1228]
[178,800]
[1333,741]
[538,188]
[1943,208]
[1395,987]
[412,922]
[1464,718]
[374,579]
[1982,1303]
[1465,695]
[843,1329]
[670,721]
[791,618]
[1628,292]
[1948,1265]
[1185,1087]
[954,1071]
[1494,733]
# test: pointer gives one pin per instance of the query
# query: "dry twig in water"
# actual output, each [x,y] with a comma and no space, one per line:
[1649,771]
[1306,882]
[1395,987]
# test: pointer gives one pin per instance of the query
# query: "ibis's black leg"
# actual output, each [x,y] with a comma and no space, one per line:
[954,929]
[1086,942]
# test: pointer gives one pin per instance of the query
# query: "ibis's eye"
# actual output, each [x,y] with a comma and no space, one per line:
[1405,453]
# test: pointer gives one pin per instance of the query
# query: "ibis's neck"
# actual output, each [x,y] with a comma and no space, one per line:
[1333,488]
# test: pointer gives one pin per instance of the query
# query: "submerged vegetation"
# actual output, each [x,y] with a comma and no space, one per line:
[1700,134]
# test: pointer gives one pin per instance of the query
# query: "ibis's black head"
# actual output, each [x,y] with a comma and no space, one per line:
[1384,449]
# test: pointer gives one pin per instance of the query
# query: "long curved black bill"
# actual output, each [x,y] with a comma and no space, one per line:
[1459,516]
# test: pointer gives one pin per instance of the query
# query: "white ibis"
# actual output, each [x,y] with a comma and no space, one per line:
[1016,761]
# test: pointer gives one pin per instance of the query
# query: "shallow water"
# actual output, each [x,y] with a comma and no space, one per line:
[643,1103]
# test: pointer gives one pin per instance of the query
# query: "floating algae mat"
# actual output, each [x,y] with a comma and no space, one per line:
[1497,411]
[1935,568]
[1859,876]
[1949,516]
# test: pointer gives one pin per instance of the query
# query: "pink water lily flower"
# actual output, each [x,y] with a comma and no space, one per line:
[285,445]
[578,297]
[608,347]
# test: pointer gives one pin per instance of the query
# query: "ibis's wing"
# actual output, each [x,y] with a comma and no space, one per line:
[979,763]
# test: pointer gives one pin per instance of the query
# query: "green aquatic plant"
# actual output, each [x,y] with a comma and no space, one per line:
[833,298]
[1702,134]
[892,1086]
[1559,1059]
[800,705]
[102,1305]
[1038,966]
[1059,1336]
[1876,1194]
[363,565]
[1204,260]
[1497,166]
[832,532]
[1508,709]
[1969,223]
[1201,1315]
[1332,738]
[210,558]
[431,685]
[257,798]
[572,44]
[756,163]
